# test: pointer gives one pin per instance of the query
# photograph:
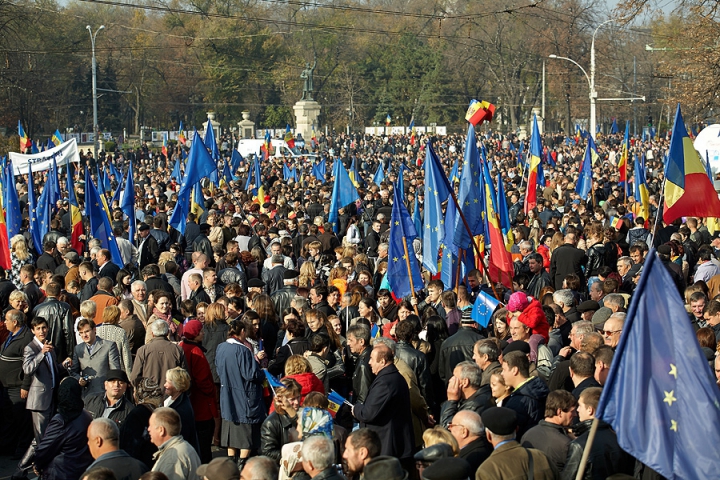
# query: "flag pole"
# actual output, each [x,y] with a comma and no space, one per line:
[407,264]
[588,447]
[474,243]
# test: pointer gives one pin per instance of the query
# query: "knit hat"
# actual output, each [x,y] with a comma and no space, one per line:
[518,302]
[192,329]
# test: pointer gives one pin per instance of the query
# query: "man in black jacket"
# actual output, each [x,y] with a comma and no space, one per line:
[463,392]
[47,261]
[549,435]
[60,321]
[379,411]
[15,426]
[458,348]
[468,430]
[282,298]
[106,267]
[149,250]
[112,404]
[415,359]
[104,442]
[358,341]
[567,258]
[606,457]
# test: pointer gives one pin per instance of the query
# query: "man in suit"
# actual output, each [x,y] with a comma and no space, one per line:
[60,320]
[379,411]
[149,249]
[40,363]
[93,359]
[567,258]
[106,268]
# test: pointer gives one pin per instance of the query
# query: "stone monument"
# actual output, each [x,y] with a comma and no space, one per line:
[246,127]
[307,110]
[215,125]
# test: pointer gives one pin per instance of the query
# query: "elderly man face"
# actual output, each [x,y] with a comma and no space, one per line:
[623,268]
[611,331]
[139,292]
[518,330]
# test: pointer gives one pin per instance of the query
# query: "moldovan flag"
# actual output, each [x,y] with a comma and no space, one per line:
[181,134]
[24,139]
[688,190]
[479,112]
[535,153]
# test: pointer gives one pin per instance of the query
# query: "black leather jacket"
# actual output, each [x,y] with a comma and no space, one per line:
[60,325]
[95,404]
[596,259]
[418,363]
[606,457]
[363,376]
[274,433]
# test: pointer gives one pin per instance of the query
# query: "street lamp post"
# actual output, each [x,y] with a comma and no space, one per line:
[591,77]
[94,89]
[593,94]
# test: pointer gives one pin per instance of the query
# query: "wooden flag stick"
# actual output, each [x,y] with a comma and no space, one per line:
[409,270]
[474,244]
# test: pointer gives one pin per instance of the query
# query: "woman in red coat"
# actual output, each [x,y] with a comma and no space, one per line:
[299,369]
[202,389]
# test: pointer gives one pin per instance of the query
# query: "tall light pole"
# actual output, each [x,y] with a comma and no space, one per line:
[94,89]
[591,77]
[593,94]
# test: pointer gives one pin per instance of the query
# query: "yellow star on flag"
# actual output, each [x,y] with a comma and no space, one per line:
[673,371]
[670,398]
[673,425]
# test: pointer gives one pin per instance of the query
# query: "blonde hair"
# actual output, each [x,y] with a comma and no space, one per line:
[179,377]
[165,257]
[19,247]
[433,436]
[296,364]
[17,295]
[111,315]
[88,309]
[307,275]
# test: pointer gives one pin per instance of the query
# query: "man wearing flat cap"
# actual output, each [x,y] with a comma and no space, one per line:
[509,459]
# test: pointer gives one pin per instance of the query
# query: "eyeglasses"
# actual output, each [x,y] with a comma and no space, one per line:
[608,333]
[450,425]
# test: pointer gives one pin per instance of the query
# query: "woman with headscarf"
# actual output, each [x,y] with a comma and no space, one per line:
[310,421]
[63,452]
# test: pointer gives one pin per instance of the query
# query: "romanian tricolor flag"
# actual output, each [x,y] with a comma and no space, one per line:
[181,134]
[500,266]
[413,138]
[266,145]
[56,139]
[535,153]
[289,138]
[479,112]
[616,222]
[622,164]
[24,139]
[388,120]
[76,225]
[688,190]
[165,146]
[642,194]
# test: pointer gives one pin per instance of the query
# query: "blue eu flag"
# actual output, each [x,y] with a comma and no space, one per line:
[470,196]
[483,309]
[99,222]
[660,396]
[402,229]
[437,190]
[343,193]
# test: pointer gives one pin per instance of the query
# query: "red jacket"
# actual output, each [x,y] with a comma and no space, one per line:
[534,317]
[202,388]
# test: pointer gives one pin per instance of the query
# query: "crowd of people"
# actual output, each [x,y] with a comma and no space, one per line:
[263,344]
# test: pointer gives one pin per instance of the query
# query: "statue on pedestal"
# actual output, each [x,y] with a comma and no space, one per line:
[307,75]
